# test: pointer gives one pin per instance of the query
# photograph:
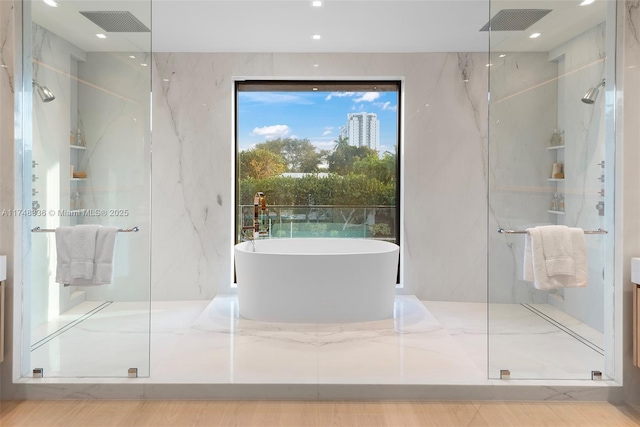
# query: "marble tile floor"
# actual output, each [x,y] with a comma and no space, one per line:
[207,342]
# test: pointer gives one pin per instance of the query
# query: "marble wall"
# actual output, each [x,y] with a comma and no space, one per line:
[444,150]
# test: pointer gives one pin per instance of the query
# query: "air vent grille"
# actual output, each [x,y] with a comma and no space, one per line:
[515,19]
[116,21]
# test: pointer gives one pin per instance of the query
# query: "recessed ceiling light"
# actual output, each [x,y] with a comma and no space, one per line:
[101,36]
[316,65]
[132,57]
[502,55]
[489,64]
[586,2]
[318,3]
[316,36]
[143,64]
[53,3]
[534,35]
[165,80]
[315,88]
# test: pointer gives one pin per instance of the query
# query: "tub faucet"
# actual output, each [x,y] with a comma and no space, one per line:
[259,204]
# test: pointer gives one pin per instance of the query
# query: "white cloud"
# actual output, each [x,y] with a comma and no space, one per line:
[386,106]
[368,97]
[338,95]
[272,132]
[327,131]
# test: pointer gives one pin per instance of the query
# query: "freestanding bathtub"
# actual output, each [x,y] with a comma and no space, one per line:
[316,280]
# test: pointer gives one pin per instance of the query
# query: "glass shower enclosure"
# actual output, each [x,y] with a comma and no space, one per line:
[551,162]
[87,161]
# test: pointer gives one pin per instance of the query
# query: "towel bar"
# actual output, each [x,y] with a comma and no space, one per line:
[52,230]
[503,231]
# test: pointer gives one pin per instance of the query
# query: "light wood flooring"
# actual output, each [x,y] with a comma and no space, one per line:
[171,413]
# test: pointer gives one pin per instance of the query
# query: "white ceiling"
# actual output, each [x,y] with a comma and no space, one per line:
[345,25]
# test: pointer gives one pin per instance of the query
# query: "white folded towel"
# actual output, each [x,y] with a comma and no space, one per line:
[85,254]
[83,251]
[105,252]
[536,268]
[558,250]
[63,250]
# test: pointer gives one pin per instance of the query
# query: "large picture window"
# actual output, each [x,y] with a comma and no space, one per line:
[317,159]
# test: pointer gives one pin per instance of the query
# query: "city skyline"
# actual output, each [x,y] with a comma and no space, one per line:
[317,116]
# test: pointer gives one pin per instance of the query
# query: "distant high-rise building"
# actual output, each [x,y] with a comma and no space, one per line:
[362,129]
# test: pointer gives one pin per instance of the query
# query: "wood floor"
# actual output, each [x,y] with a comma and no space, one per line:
[154,413]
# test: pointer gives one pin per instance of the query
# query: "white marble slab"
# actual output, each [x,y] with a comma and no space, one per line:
[424,343]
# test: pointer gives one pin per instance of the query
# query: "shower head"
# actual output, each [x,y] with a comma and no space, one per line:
[45,94]
[592,94]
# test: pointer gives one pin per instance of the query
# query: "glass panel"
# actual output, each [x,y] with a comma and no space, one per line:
[550,130]
[87,301]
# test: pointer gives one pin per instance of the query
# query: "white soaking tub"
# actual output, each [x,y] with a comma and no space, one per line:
[316,280]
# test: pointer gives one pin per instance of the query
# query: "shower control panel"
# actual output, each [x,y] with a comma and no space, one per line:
[35,205]
[600,205]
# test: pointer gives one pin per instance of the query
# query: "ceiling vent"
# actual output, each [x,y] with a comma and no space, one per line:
[515,19]
[116,21]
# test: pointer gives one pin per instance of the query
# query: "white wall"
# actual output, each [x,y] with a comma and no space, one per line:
[444,150]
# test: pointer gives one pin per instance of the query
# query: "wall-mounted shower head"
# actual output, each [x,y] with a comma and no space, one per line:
[592,94]
[45,94]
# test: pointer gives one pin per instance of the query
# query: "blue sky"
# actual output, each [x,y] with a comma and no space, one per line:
[316,116]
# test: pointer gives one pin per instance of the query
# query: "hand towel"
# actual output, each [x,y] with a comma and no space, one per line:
[558,250]
[63,251]
[104,255]
[83,249]
[535,265]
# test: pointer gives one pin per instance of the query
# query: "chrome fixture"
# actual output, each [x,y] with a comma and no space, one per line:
[592,94]
[503,231]
[52,230]
[45,94]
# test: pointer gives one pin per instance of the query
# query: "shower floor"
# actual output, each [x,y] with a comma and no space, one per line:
[425,343]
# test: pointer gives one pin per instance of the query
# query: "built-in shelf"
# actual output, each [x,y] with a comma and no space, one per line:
[555,147]
[555,179]
[77,147]
[78,179]
[556,212]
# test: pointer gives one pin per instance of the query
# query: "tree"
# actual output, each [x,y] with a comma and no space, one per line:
[383,169]
[299,155]
[344,156]
[260,163]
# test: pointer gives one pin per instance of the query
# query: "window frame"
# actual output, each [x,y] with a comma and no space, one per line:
[302,85]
